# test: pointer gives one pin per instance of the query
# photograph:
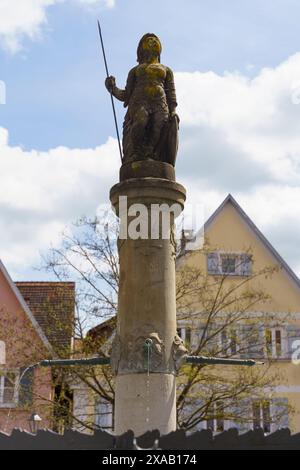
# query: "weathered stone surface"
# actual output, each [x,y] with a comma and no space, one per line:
[147,168]
[154,399]
[150,128]
[147,305]
[148,191]
[147,309]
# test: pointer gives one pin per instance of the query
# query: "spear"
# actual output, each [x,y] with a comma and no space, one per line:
[111,95]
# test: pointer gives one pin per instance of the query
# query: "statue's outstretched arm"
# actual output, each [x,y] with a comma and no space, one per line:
[119,94]
[122,95]
[110,84]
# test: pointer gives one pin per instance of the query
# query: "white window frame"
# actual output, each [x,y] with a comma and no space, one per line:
[238,271]
[261,415]
[103,414]
[215,421]
[3,373]
[284,342]
[182,335]
[228,345]
[2,353]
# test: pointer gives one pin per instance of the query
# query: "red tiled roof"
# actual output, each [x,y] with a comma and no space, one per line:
[52,304]
[104,328]
[100,336]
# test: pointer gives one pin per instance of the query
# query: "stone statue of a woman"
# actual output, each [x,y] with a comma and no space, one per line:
[150,129]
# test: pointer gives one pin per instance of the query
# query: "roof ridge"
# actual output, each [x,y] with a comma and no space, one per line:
[45,282]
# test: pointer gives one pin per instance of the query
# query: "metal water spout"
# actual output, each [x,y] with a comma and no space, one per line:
[148,348]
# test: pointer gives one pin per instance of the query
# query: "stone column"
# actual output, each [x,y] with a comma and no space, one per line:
[146,351]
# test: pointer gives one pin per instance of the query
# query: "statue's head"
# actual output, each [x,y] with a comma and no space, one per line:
[148,45]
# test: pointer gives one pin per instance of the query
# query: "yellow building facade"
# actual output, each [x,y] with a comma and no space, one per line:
[236,249]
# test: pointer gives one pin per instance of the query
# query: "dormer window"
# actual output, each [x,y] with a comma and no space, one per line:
[230,264]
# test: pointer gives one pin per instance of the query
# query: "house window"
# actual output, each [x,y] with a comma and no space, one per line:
[232,264]
[274,342]
[2,353]
[233,341]
[229,341]
[8,388]
[278,343]
[228,264]
[262,415]
[215,418]
[103,415]
[224,342]
[185,334]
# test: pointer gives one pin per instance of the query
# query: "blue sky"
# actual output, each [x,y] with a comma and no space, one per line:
[237,69]
[54,85]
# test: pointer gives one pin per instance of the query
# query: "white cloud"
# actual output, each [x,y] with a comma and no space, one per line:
[106,3]
[256,117]
[41,192]
[25,18]
[21,18]
[238,135]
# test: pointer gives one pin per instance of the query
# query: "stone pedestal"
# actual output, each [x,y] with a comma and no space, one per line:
[146,351]
[145,403]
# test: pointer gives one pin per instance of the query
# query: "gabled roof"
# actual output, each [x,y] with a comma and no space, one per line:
[53,306]
[101,334]
[26,309]
[230,200]
[106,327]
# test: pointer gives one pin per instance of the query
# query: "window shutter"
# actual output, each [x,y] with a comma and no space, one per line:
[256,342]
[251,341]
[279,413]
[244,345]
[293,334]
[213,263]
[245,265]
[213,340]
[198,337]
[26,388]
